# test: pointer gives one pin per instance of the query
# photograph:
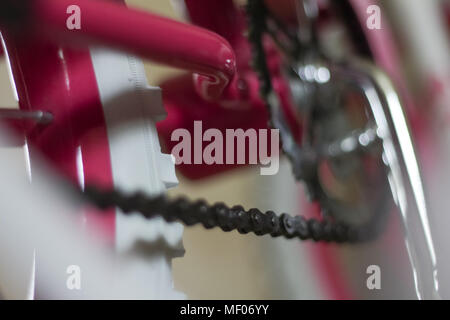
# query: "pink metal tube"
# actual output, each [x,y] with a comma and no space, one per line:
[147,35]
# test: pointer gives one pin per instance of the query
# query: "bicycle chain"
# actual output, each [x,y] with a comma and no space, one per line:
[235,218]
[228,219]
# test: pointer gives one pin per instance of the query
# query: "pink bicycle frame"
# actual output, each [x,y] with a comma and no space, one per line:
[147,35]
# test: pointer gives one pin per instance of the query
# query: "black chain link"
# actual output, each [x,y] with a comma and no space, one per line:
[228,219]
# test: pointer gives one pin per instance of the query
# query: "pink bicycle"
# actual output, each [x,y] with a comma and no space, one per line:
[341,106]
